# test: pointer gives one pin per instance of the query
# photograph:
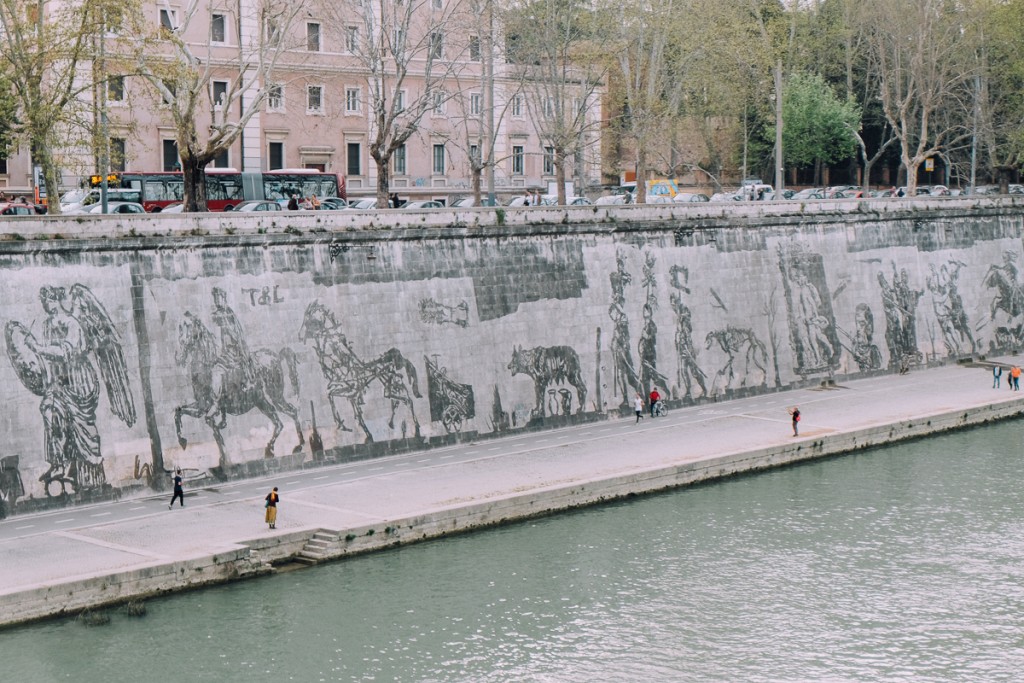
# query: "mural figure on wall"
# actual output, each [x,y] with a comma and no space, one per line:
[229,380]
[949,308]
[733,341]
[647,347]
[349,377]
[625,380]
[11,485]
[689,372]
[435,312]
[60,370]
[548,365]
[1009,301]
[900,303]
[863,349]
[451,402]
[812,328]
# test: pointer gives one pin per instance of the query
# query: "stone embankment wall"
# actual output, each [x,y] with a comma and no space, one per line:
[231,346]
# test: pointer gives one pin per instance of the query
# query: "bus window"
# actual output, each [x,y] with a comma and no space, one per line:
[224,186]
[164,190]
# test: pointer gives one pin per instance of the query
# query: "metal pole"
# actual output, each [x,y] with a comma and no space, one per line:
[104,127]
[779,169]
[974,136]
[489,94]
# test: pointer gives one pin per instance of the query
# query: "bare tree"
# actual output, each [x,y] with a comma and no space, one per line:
[917,57]
[407,53]
[180,64]
[45,44]
[555,50]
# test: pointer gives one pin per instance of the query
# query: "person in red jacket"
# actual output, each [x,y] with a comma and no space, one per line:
[655,397]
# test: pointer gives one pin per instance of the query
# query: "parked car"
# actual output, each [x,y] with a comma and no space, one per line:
[117,207]
[552,200]
[423,204]
[17,209]
[690,198]
[468,202]
[333,204]
[363,204]
[81,201]
[730,196]
[614,199]
[258,205]
[808,194]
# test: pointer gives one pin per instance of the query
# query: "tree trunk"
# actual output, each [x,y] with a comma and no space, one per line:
[50,171]
[383,180]
[560,157]
[641,173]
[477,174]
[193,172]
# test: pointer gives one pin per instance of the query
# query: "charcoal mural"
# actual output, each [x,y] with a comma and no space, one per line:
[77,333]
[349,377]
[11,485]
[647,347]
[812,328]
[547,366]
[625,382]
[900,303]
[861,343]
[943,283]
[737,342]
[436,313]
[688,372]
[451,402]
[1008,304]
[228,379]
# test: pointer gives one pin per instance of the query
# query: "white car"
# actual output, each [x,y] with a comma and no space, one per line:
[426,204]
[363,204]
[115,207]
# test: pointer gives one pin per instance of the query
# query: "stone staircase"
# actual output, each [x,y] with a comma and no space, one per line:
[322,546]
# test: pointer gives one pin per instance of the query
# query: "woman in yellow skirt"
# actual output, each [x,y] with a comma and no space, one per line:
[272,500]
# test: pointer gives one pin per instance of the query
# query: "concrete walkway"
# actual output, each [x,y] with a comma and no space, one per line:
[63,561]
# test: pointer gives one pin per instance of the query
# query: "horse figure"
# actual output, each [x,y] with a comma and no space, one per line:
[547,366]
[733,341]
[1009,300]
[222,389]
[349,377]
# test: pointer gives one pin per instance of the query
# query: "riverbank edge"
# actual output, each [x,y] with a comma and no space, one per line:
[258,557]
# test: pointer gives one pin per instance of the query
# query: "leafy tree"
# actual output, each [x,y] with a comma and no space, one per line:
[818,125]
[8,116]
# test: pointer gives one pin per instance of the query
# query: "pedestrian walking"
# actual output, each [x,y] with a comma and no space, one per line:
[1015,376]
[272,500]
[638,406]
[293,203]
[997,373]
[655,397]
[179,492]
[794,412]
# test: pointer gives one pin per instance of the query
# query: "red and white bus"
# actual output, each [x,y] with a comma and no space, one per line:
[226,188]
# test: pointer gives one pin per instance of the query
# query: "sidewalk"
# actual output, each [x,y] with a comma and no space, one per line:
[64,561]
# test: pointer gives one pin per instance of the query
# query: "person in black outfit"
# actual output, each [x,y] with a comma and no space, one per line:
[179,492]
[795,414]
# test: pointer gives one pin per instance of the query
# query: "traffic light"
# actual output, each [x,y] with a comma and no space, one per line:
[97,180]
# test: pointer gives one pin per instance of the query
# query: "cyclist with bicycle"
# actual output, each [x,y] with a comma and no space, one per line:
[655,399]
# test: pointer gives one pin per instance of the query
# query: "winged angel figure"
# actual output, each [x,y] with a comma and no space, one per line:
[60,369]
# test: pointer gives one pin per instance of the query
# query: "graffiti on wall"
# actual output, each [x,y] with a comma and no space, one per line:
[861,344]
[546,366]
[738,343]
[812,327]
[689,372]
[451,402]
[349,377]
[948,305]
[436,313]
[61,369]
[228,379]
[1007,306]
[624,375]
[647,346]
[899,301]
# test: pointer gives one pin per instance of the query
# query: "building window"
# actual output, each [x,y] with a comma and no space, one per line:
[518,159]
[170,156]
[439,99]
[218,28]
[398,161]
[474,48]
[351,38]
[549,108]
[275,97]
[351,100]
[439,159]
[517,106]
[314,99]
[168,19]
[436,45]
[549,161]
[221,160]
[399,101]
[475,104]
[354,159]
[474,154]
[272,32]
[313,37]
[3,165]
[275,155]
[117,154]
[219,93]
[115,89]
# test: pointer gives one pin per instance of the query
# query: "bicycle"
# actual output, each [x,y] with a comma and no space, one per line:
[659,409]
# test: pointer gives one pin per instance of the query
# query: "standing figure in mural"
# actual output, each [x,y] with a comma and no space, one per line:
[1009,301]
[810,323]
[625,378]
[688,371]
[229,380]
[60,369]
[647,347]
[900,303]
[812,328]
[949,308]
[349,376]
[548,365]
[732,341]
[865,351]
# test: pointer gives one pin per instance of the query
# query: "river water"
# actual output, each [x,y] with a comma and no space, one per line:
[900,564]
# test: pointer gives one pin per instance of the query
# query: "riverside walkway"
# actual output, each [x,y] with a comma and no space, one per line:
[88,556]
